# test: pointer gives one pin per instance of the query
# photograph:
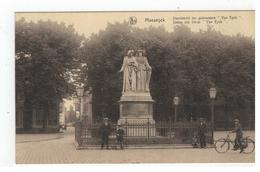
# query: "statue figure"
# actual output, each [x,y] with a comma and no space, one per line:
[144,72]
[129,69]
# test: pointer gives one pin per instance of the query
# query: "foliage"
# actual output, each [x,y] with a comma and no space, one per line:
[184,63]
[45,53]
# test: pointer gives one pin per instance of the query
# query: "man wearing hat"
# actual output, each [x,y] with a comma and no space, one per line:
[105,129]
[239,135]
[202,131]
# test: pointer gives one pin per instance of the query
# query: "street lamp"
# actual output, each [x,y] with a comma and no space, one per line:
[75,100]
[212,95]
[175,102]
[80,93]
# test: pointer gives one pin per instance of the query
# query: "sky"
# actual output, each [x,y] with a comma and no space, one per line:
[227,22]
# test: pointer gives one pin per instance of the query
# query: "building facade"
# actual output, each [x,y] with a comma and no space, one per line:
[32,118]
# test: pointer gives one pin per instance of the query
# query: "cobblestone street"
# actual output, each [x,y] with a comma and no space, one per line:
[62,150]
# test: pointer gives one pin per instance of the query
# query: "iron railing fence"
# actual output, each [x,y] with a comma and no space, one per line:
[137,133]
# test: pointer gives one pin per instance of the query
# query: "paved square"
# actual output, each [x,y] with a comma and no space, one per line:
[62,150]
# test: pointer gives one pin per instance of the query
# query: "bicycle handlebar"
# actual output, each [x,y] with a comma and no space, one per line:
[229,134]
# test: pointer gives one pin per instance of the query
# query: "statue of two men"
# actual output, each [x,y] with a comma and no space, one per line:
[136,72]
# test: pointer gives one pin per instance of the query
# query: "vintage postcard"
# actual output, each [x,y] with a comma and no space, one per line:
[135,87]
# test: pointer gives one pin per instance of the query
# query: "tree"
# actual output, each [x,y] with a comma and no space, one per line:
[45,53]
[184,63]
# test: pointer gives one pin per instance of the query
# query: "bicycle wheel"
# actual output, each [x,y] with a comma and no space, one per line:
[248,144]
[222,146]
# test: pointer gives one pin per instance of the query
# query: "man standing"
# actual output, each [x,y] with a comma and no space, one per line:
[105,129]
[202,130]
[239,136]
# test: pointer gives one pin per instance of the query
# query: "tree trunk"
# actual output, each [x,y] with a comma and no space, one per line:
[46,115]
[226,114]
[252,111]
[27,115]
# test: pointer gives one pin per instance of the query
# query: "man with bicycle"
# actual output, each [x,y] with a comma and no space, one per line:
[239,135]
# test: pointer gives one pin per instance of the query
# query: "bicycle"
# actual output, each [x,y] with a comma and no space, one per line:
[222,145]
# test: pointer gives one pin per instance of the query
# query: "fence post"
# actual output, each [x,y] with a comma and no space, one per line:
[148,127]
[78,132]
[171,131]
[212,134]
[126,126]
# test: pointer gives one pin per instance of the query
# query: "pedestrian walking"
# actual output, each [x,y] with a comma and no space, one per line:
[202,131]
[239,135]
[105,130]
[120,136]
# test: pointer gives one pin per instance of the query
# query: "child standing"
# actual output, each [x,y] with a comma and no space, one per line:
[120,136]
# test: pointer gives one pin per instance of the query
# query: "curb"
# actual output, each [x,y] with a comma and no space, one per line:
[39,140]
[94,147]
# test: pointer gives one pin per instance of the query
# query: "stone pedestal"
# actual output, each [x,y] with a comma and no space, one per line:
[136,114]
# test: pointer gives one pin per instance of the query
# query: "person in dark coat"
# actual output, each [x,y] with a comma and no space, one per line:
[105,130]
[239,135]
[202,131]
[120,136]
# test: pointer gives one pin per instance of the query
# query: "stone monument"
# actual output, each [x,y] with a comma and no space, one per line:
[136,103]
